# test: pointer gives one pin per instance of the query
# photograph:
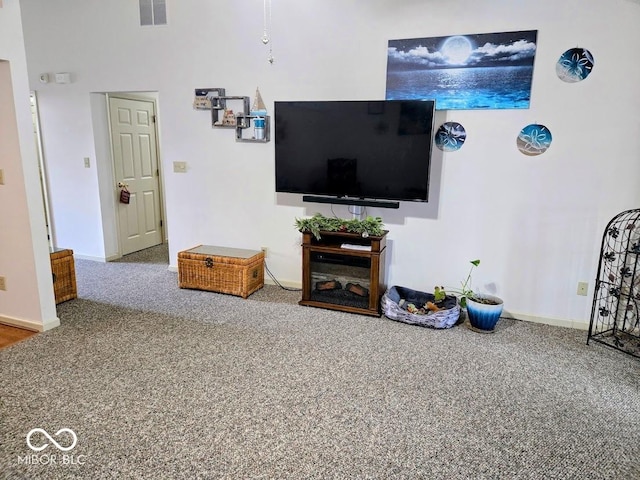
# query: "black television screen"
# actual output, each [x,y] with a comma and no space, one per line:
[378,149]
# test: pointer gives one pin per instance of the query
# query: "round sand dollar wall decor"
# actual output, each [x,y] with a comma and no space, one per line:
[450,136]
[534,139]
[574,65]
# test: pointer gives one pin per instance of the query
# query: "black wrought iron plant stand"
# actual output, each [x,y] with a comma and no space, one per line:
[615,318]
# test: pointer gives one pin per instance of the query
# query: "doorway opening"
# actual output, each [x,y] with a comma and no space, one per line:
[132,119]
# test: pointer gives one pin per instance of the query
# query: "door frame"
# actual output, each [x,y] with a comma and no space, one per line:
[146,97]
[42,167]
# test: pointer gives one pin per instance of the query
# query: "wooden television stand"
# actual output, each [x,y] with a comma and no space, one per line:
[343,271]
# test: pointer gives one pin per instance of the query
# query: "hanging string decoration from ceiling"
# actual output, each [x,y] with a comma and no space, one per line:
[267,29]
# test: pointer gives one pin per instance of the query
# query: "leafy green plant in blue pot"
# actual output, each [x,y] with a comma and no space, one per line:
[483,310]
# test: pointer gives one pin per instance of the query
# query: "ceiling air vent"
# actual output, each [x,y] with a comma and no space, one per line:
[153,12]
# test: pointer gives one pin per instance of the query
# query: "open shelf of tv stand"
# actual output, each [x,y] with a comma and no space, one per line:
[327,260]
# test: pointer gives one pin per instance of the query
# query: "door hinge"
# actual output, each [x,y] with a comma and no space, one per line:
[153,118]
[160,222]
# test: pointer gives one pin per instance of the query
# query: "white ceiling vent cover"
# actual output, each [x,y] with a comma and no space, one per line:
[153,12]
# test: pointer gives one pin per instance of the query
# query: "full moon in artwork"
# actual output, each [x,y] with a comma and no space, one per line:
[456,50]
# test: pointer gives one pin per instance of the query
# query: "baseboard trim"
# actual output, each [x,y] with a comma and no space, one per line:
[110,258]
[267,279]
[556,322]
[93,259]
[284,283]
[30,325]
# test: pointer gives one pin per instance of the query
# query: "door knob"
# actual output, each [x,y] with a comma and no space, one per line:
[122,185]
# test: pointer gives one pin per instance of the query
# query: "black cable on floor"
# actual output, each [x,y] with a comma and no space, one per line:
[277,282]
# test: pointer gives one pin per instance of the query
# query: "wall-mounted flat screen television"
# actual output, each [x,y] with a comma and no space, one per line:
[346,150]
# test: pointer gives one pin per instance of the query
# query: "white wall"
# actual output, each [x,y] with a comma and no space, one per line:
[536,222]
[28,300]
[102,164]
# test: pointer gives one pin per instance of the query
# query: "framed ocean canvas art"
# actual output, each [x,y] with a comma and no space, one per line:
[464,72]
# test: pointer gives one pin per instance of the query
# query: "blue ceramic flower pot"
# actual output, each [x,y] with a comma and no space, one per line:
[482,316]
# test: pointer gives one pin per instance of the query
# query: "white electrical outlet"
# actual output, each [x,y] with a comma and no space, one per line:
[180,167]
[264,249]
[87,162]
[583,287]
[3,284]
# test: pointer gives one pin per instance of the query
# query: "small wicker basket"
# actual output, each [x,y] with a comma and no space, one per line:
[64,275]
[445,318]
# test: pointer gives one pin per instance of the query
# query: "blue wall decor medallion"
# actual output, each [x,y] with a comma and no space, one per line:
[534,139]
[574,65]
[450,136]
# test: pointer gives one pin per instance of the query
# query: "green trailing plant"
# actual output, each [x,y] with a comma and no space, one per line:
[465,291]
[370,226]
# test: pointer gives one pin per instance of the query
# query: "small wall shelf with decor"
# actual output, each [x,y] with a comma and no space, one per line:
[223,116]
[261,127]
[228,120]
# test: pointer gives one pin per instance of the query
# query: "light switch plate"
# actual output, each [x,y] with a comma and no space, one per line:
[180,167]
[583,288]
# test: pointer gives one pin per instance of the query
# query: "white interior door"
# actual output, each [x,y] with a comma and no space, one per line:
[135,156]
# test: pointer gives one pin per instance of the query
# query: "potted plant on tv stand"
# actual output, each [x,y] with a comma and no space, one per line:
[483,310]
[370,226]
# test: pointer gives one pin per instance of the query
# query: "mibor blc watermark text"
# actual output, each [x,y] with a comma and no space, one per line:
[67,440]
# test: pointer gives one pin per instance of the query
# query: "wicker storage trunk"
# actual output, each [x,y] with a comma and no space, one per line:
[64,275]
[219,269]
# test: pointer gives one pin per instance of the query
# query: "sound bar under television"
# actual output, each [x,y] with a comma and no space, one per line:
[361,202]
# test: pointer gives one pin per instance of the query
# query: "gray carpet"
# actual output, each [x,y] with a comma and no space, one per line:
[161,382]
